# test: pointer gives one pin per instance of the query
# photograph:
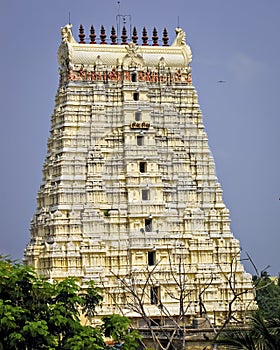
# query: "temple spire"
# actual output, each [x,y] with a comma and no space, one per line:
[113,36]
[145,37]
[103,35]
[124,36]
[92,35]
[155,37]
[129,191]
[81,35]
[134,36]
[165,37]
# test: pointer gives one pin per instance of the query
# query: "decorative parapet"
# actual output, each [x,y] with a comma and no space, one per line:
[82,61]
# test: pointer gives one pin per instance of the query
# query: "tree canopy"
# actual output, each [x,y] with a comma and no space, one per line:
[263,329]
[267,296]
[38,314]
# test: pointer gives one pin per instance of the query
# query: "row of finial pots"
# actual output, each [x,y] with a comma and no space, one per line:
[124,37]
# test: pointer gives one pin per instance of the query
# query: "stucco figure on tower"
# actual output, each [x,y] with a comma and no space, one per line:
[66,34]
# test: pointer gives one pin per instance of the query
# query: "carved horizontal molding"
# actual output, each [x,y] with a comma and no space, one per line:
[148,76]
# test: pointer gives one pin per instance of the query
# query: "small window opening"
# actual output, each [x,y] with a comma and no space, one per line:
[154,294]
[138,116]
[143,167]
[151,258]
[155,322]
[140,140]
[134,77]
[145,195]
[148,225]
[136,96]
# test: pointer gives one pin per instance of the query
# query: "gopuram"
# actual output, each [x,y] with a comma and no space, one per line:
[129,195]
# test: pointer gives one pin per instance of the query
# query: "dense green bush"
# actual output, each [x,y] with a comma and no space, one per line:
[36,314]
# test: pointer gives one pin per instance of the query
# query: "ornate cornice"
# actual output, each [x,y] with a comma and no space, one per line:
[71,53]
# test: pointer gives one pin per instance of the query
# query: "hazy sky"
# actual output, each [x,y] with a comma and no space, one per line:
[236,41]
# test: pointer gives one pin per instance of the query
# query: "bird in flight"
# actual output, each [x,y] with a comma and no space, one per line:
[221,81]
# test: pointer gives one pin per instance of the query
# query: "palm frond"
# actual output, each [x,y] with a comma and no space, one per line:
[237,338]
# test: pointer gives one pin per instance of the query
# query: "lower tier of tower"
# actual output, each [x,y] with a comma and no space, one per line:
[152,276]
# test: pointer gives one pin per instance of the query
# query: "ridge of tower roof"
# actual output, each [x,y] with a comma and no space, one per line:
[127,53]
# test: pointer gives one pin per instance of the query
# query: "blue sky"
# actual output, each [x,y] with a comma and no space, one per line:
[236,41]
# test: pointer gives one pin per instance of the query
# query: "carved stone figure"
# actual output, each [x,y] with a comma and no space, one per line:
[180,39]
[66,34]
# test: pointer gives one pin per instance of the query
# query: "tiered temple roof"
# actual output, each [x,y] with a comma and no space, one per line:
[129,195]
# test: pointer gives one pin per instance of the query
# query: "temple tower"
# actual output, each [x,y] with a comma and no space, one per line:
[129,195]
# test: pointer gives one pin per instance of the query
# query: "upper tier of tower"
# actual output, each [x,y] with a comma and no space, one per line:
[128,55]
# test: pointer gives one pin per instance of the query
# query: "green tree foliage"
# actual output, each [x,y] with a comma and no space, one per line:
[267,296]
[260,334]
[263,329]
[117,328]
[92,297]
[36,314]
